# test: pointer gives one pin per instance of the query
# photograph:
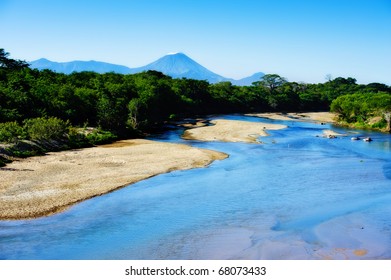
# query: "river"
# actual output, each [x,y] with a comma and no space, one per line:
[297,196]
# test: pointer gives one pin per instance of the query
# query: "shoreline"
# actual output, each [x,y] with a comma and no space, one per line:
[44,185]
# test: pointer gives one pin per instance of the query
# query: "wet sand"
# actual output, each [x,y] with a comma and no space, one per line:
[43,185]
[331,133]
[231,131]
[341,238]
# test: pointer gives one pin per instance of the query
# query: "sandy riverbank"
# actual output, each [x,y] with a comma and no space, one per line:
[325,117]
[231,131]
[40,186]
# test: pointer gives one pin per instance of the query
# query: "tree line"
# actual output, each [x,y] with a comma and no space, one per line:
[127,105]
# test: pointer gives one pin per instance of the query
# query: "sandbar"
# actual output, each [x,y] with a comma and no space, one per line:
[272,116]
[44,185]
[323,117]
[331,133]
[231,131]
[326,117]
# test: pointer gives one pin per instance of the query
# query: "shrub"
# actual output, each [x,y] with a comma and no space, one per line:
[77,139]
[380,124]
[3,160]
[46,128]
[101,137]
[10,132]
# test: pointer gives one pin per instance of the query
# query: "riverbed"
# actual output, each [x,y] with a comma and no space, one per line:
[297,195]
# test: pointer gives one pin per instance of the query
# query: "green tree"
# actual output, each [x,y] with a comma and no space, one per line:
[360,108]
[9,63]
[272,82]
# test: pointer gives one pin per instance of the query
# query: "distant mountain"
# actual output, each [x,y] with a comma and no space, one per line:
[79,66]
[177,65]
[248,80]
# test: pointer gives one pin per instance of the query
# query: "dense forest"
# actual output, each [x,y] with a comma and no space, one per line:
[39,105]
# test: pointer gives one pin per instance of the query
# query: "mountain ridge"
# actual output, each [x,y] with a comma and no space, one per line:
[176,65]
[79,66]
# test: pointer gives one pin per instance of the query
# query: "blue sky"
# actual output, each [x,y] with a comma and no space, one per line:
[300,40]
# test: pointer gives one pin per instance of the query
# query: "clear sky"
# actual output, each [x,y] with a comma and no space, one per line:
[301,40]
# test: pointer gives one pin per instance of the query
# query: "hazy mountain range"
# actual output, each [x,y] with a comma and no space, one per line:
[177,65]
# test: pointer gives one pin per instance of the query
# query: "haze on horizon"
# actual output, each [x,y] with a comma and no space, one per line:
[300,40]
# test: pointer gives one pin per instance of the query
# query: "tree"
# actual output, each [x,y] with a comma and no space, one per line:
[8,63]
[112,114]
[272,82]
[134,107]
[364,108]
[328,77]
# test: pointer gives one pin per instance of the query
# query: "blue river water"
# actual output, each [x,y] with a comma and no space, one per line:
[296,196]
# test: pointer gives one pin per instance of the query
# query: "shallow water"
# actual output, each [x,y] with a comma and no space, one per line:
[297,196]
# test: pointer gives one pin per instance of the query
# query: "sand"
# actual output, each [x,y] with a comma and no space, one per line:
[323,117]
[231,131]
[272,116]
[331,133]
[43,185]
[326,117]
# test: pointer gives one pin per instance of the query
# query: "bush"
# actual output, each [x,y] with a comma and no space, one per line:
[101,137]
[77,139]
[380,124]
[3,160]
[46,128]
[10,132]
